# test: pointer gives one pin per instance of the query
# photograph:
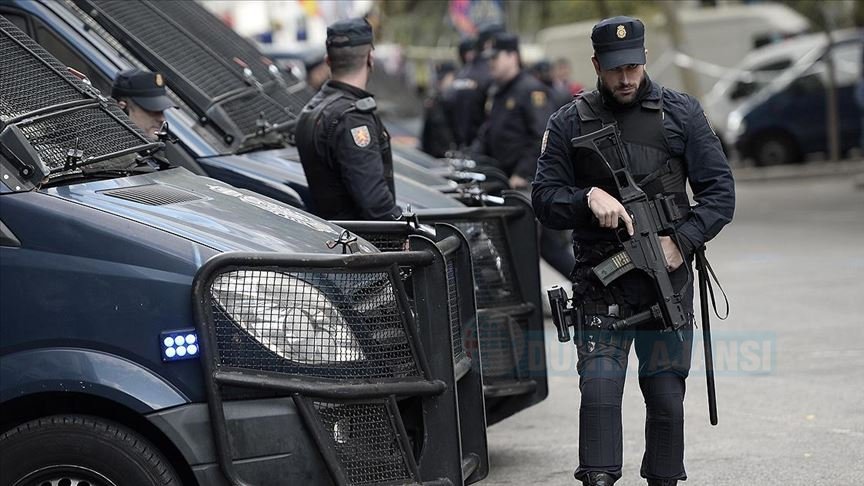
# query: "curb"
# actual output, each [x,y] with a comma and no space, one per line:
[799,171]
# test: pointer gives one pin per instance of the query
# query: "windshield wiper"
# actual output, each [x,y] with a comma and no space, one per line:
[140,166]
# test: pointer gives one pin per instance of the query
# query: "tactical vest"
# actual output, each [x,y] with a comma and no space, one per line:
[652,164]
[330,195]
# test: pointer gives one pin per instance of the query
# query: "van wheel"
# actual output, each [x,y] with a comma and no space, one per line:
[775,149]
[79,450]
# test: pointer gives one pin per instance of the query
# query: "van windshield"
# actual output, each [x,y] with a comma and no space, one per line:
[757,77]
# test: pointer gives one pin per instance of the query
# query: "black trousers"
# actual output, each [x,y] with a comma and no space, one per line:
[664,363]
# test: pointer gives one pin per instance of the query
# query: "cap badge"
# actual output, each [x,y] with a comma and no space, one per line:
[361,136]
[159,81]
[621,32]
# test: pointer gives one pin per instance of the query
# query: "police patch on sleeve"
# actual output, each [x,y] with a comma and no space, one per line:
[361,136]
[538,98]
[543,144]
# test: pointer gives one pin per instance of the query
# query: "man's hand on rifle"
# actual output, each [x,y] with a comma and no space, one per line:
[672,253]
[608,210]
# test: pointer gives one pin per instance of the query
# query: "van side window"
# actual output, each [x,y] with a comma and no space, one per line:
[56,46]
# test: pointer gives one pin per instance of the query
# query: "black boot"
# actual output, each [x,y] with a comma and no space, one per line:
[662,482]
[598,479]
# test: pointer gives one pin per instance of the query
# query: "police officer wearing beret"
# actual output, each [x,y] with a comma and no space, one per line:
[344,147]
[142,95]
[670,143]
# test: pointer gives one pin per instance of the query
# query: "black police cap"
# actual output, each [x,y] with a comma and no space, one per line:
[503,41]
[465,45]
[145,88]
[486,32]
[619,41]
[351,32]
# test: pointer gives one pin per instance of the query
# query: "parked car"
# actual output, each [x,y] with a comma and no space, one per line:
[777,104]
[162,328]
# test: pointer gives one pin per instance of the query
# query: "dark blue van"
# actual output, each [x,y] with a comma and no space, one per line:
[218,136]
[162,328]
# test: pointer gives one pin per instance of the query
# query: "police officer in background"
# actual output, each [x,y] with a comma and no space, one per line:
[141,95]
[669,142]
[437,138]
[466,99]
[517,113]
[518,109]
[343,145]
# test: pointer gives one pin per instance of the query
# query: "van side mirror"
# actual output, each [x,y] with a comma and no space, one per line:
[21,167]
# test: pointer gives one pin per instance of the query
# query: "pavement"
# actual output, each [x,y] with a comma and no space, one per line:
[790,357]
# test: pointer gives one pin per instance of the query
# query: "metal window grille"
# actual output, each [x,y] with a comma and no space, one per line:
[91,130]
[174,46]
[27,83]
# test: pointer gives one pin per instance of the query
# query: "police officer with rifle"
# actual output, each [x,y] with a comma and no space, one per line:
[614,166]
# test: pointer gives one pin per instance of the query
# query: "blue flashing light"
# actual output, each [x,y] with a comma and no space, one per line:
[179,345]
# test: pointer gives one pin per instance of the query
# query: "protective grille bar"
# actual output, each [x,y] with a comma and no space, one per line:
[494,280]
[365,436]
[453,311]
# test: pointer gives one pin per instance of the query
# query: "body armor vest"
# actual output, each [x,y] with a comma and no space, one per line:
[655,170]
[651,162]
[329,194]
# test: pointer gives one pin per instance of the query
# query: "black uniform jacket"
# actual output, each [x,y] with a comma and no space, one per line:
[518,111]
[346,157]
[559,198]
[465,101]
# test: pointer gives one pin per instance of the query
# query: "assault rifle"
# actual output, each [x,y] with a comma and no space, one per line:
[641,251]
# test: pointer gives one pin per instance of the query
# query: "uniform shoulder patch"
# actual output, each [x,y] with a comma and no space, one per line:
[543,144]
[538,98]
[361,136]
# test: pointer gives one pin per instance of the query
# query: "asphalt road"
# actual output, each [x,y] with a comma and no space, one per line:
[790,358]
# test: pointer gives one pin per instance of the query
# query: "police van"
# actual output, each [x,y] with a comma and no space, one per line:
[162,328]
[223,85]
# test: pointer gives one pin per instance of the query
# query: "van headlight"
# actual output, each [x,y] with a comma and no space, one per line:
[288,315]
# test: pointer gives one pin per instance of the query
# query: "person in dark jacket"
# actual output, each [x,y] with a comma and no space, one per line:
[517,113]
[437,136]
[343,145]
[467,97]
[510,137]
[670,143]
